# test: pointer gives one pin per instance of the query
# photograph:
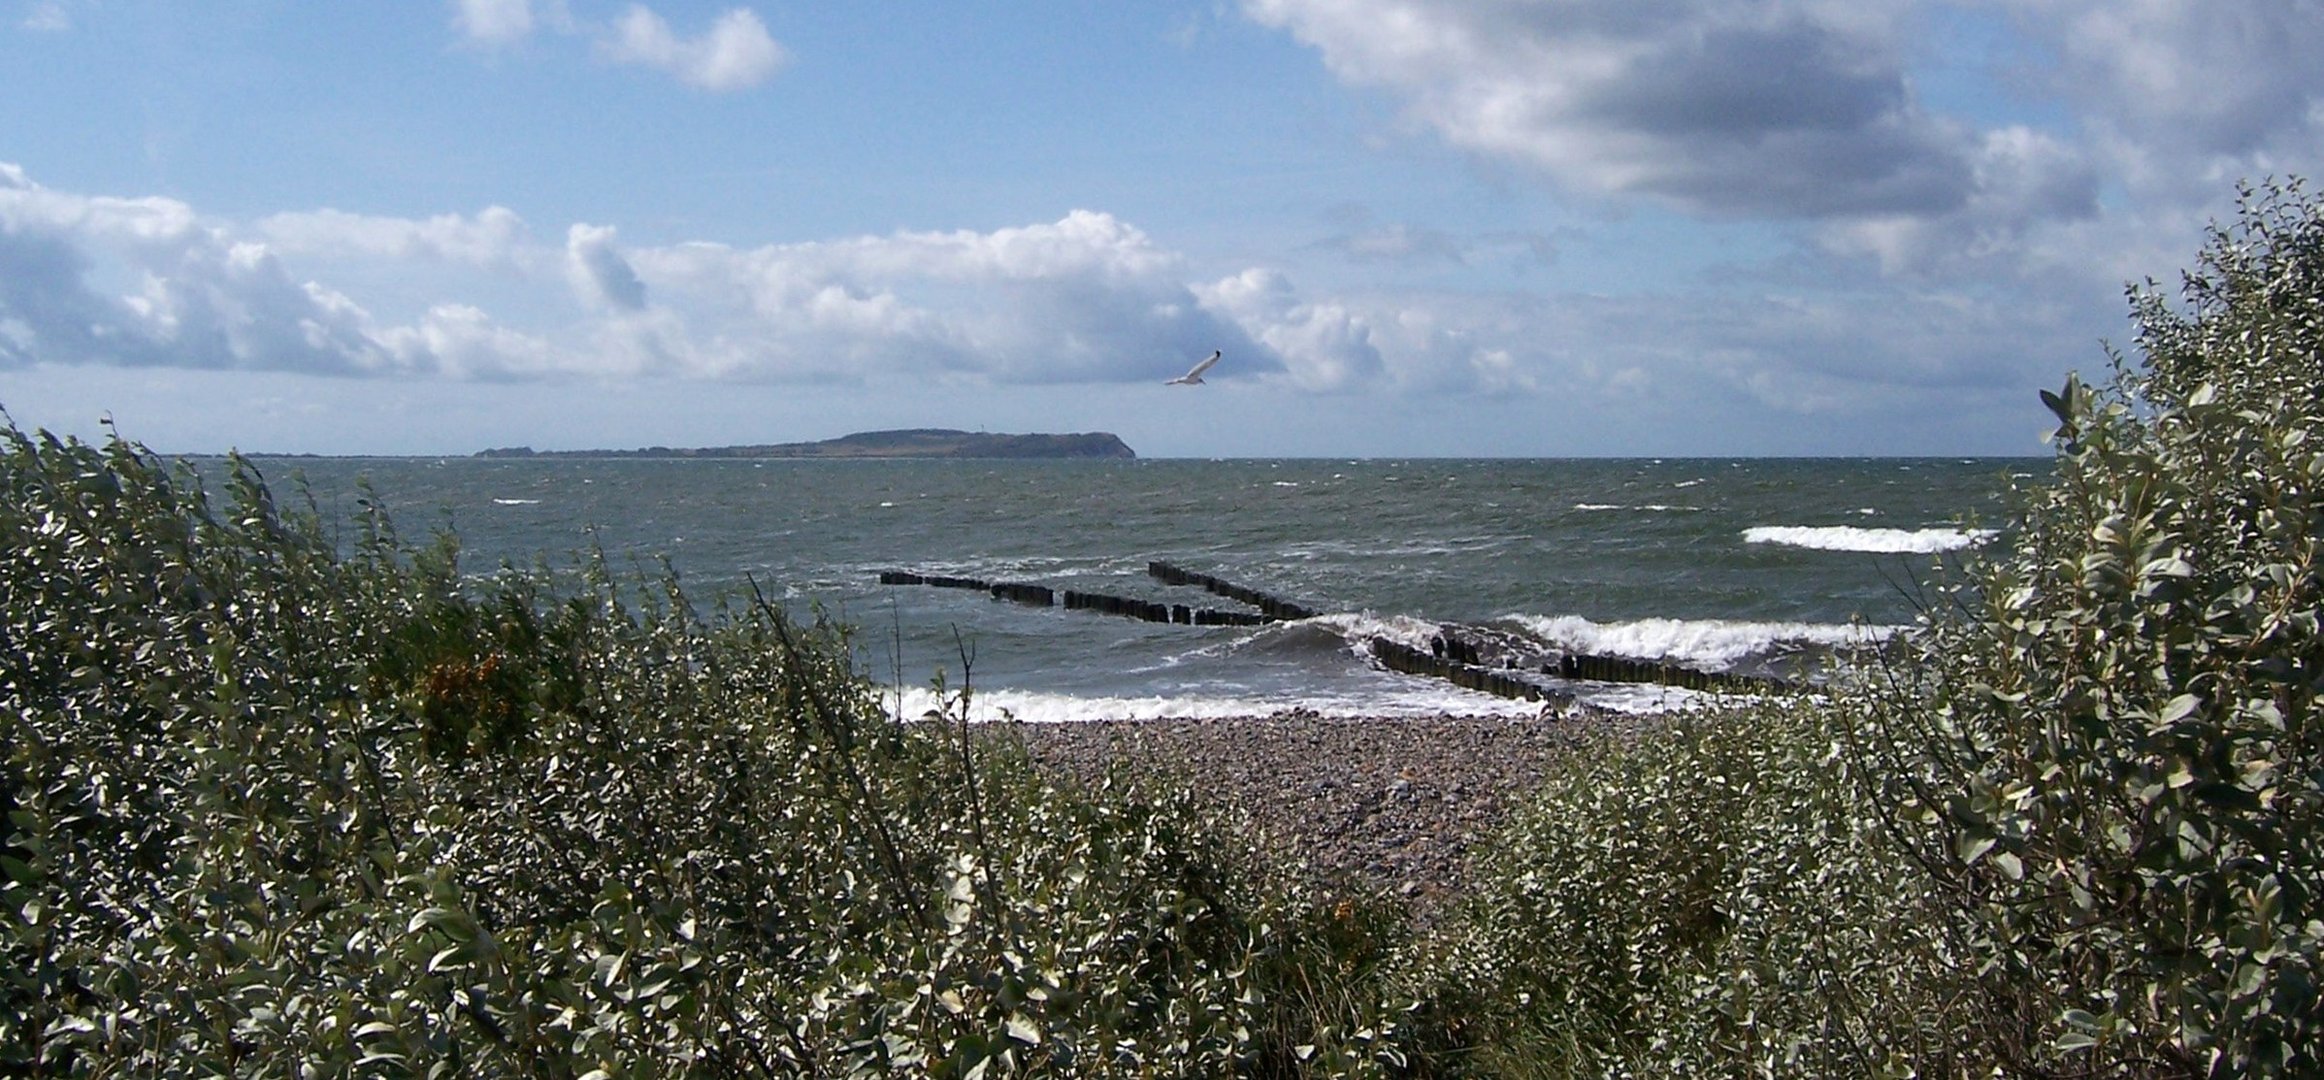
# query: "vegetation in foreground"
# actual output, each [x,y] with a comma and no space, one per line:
[276,805]
[2078,830]
[278,810]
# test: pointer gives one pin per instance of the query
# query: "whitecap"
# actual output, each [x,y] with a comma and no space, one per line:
[1708,643]
[516,502]
[1856,538]
[1410,698]
[1688,483]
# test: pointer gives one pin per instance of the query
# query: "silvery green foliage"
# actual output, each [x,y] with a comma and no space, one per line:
[277,809]
[1710,897]
[2114,746]
[2074,826]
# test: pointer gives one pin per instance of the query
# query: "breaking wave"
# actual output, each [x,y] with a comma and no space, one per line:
[1715,644]
[1857,538]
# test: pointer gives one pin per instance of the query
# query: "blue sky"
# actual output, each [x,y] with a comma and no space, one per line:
[1415,227]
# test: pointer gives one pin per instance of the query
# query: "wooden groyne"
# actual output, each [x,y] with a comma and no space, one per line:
[1273,607]
[1150,611]
[1500,682]
[1035,595]
[941,581]
[1473,657]
[1624,669]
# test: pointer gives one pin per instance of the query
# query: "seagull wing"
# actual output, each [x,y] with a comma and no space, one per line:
[1204,366]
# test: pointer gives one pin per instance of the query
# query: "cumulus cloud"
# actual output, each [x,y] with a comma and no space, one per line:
[1084,299]
[1809,111]
[1728,107]
[2024,180]
[599,273]
[736,53]
[1326,346]
[149,281]
[145,282]
[2185,76]
[494,237]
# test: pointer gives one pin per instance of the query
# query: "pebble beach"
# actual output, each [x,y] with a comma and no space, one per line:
[1393,805]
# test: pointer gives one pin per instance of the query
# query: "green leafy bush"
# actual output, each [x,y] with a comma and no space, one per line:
[2074,827]
[275,809]
[2115,747]
[1710,897]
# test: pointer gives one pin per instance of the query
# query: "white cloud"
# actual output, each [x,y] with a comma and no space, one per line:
[736,53]
[494,237]
[493,22]
[1086,299]
[2227,80]
[1326,345]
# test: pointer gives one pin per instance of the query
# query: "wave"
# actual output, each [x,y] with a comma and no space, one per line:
[1715,644]
[516,502]
[1657,508]
[1419,698]
[1857,538]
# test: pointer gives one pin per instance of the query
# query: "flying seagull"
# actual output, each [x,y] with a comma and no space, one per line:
[1193,376]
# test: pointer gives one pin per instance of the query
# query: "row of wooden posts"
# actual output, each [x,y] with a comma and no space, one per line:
[1273,607]
[1131,607]
[1399,657]
[1449,657]
[1624,669]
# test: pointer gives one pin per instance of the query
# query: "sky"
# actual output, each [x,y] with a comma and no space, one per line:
[1451,228]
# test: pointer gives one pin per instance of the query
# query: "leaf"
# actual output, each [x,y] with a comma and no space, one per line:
[1023,1029]
[2057,405]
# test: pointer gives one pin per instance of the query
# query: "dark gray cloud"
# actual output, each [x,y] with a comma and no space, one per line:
[1725,107]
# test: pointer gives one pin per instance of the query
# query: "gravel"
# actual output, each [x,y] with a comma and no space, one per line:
[1392,804]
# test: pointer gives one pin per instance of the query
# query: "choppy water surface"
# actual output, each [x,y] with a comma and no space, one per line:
[1727,565]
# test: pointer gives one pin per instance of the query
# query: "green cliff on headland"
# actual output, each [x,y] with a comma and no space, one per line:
[909,443]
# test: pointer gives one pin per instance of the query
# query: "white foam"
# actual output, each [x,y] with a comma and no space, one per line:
[1651,508]
[1359,627]
[1856,538]
[1688,483]
[1716,643]
[517,502]
[1411,698]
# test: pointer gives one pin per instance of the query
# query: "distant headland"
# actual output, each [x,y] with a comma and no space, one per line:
[910,443]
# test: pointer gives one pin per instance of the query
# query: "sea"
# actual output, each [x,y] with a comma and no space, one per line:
[1772,567]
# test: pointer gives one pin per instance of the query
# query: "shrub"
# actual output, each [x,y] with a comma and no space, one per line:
[272,808]
[2114,747]
[1708,897]
[2076,827]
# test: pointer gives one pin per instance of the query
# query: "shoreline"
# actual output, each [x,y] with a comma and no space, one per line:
[1363,804]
